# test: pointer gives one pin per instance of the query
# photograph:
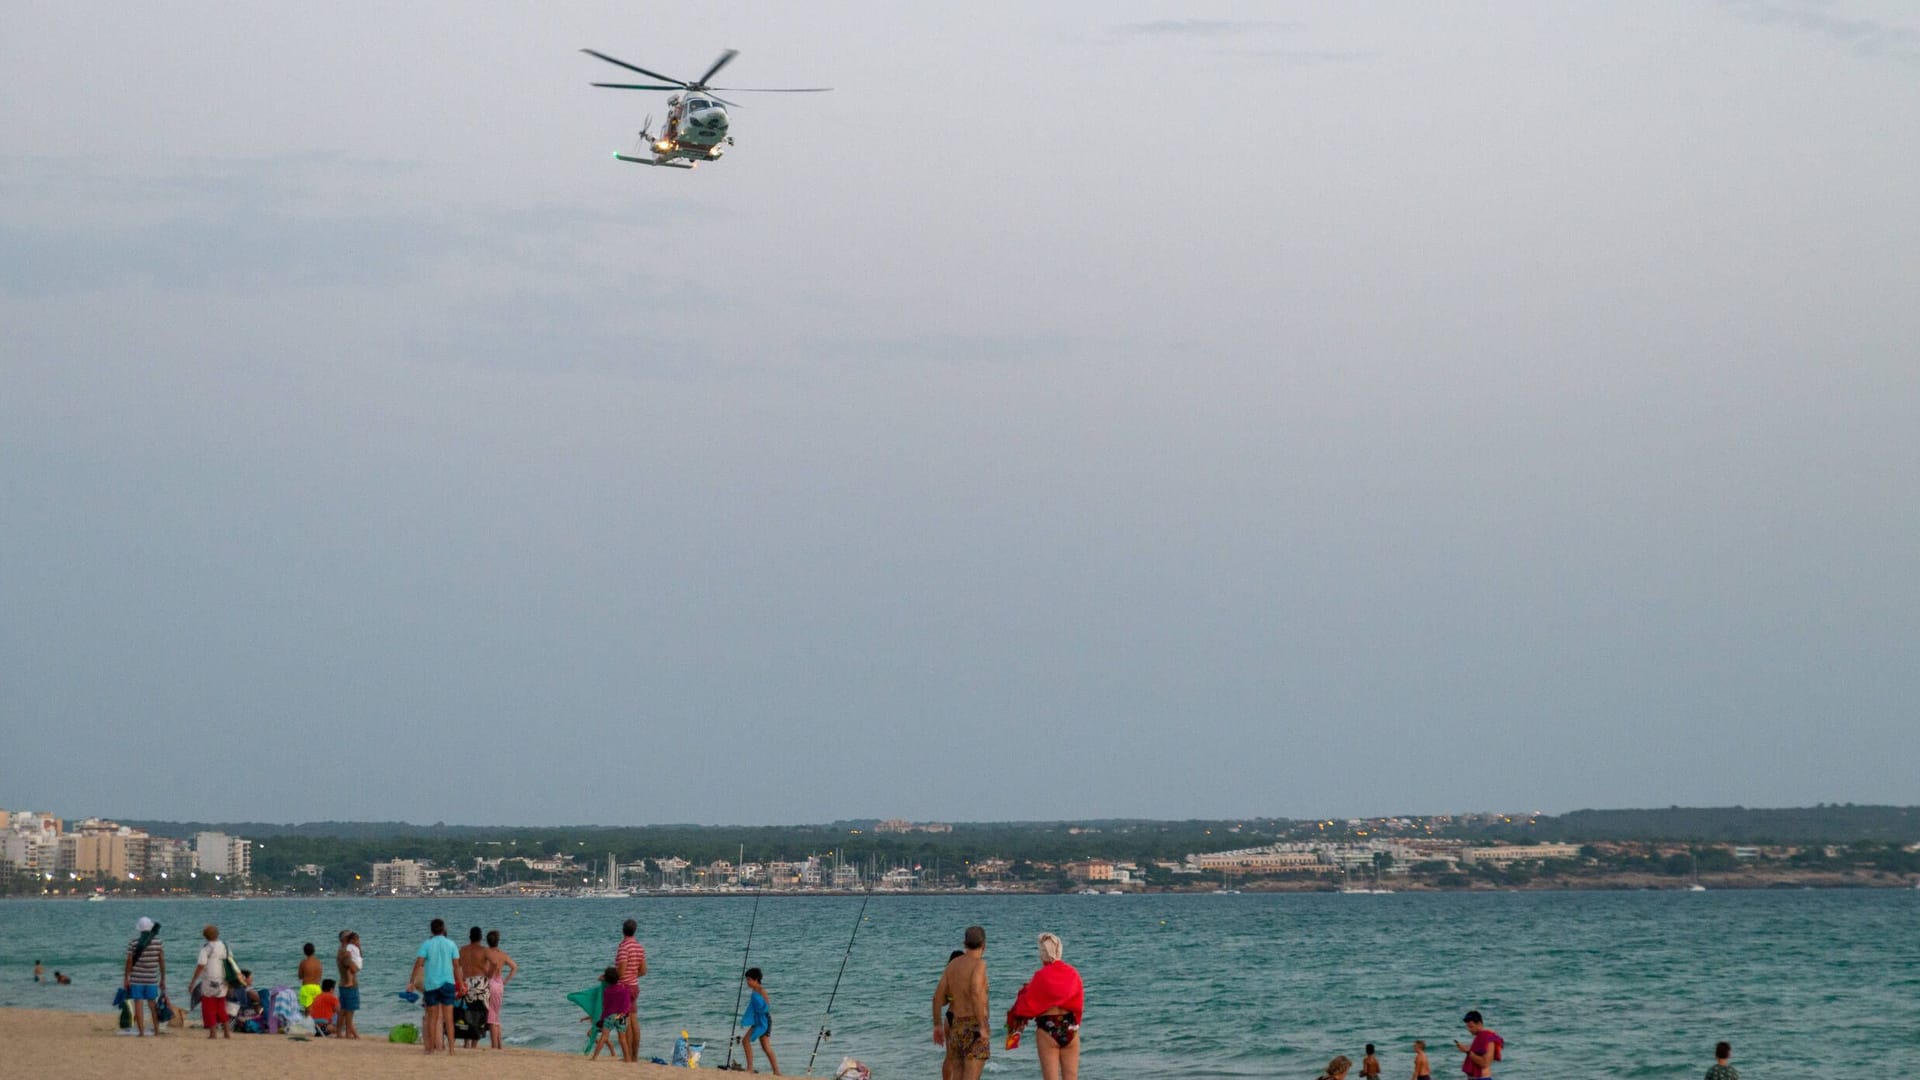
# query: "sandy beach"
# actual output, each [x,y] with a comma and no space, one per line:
[85,1046]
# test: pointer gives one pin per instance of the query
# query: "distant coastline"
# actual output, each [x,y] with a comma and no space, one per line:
[1827,846]
[1632,882]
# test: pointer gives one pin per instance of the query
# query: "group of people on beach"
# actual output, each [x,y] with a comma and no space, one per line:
[224,992]
[473,979]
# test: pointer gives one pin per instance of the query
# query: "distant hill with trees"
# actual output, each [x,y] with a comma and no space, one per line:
[1826,823]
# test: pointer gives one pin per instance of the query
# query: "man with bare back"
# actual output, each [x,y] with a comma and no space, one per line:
[476,973]
[963,988]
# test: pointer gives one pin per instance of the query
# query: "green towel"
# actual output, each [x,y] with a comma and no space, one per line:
[590,1001]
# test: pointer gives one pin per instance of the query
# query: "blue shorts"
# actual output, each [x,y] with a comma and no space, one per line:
[349,999]
[143,992]
[444,994]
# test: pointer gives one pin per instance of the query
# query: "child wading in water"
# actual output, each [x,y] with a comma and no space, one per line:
[1421,1069]
[1370,1065]
[758,1020]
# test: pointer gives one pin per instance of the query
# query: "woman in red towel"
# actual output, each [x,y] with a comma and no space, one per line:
[1054,1000]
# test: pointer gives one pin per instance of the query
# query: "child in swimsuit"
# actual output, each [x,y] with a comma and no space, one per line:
[1421,1070]
[1370,1065]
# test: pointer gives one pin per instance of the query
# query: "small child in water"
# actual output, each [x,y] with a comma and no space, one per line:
[1337,1068]
[1421,1070]
[1370,1065]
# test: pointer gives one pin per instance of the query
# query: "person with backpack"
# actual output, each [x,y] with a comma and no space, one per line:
[1483,1051]
[145,977]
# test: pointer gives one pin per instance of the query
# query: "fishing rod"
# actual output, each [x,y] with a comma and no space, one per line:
[825,1033]
[734,1025]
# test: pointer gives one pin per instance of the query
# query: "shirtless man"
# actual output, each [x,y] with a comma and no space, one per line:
[964,986]
[309,975]
[348,961]
[477,966]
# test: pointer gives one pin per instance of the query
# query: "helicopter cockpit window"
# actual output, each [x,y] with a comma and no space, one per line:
[698,104]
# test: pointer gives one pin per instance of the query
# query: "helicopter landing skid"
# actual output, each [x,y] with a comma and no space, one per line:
[650,161]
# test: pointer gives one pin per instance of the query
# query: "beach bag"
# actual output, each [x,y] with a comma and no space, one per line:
[686,1053]
[126,1008]
[229,970]
[163,1011]
[852,1070]
[404,1033]
[469,1021]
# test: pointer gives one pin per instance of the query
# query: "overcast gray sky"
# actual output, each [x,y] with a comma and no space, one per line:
[1096,409]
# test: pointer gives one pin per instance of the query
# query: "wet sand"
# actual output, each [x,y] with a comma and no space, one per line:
[85,1046]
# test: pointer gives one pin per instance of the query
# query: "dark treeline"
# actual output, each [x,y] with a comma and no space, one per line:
[1825,824]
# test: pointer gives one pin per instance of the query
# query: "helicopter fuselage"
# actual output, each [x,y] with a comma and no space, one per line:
[696,127]
[696,130]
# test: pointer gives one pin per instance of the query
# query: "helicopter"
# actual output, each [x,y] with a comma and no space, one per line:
[696,127]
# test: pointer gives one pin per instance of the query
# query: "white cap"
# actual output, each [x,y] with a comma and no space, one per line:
[145,924]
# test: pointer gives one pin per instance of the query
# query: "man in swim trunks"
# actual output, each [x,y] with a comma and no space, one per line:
[349,961]
[476,977]
[964,986]
[309,975]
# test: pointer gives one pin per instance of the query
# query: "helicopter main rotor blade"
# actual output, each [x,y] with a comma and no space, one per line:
[725,58]
[634,67]
[773,89]
[632,86]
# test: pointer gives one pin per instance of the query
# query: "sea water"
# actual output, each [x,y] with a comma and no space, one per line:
[1581,984]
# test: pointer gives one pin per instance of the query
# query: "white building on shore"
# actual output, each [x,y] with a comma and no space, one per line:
[218,853]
